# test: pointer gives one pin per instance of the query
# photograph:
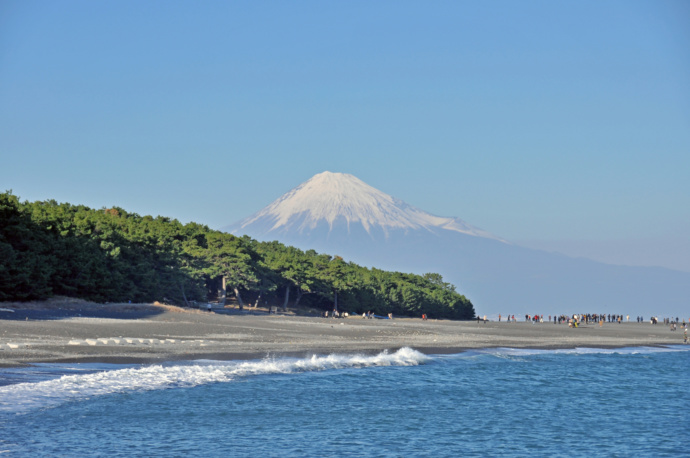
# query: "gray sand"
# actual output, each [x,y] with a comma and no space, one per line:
[155,334]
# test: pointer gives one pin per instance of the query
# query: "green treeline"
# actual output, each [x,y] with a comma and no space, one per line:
[49,248]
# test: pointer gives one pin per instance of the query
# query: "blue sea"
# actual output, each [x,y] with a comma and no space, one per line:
[494,402]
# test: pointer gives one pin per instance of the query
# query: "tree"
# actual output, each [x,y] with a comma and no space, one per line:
[26,261]
[437,280]
[338,276]
[232,260]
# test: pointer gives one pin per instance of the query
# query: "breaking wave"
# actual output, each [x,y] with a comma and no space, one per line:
[23,397]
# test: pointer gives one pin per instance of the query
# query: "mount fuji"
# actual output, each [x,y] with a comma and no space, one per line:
[339,214]
[341,202]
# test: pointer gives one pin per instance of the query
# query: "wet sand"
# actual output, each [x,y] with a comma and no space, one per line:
[147,334]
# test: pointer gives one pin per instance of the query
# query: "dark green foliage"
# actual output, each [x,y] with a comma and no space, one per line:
[49,249]
[26,257]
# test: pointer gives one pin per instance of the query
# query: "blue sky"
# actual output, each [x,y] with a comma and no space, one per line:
[558,125]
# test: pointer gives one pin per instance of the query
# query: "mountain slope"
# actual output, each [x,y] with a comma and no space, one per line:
[339,199]
[339,214]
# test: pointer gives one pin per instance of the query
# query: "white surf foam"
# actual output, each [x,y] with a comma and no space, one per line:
[23,397]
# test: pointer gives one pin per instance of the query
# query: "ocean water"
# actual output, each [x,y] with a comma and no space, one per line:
[497,402]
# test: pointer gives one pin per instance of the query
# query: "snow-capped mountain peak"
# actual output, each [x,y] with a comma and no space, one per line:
[340,197]
[338,214]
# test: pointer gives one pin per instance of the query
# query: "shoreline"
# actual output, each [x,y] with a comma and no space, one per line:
[237,357]
[148,334]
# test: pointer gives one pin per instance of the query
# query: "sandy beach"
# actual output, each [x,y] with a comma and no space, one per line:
[123,333]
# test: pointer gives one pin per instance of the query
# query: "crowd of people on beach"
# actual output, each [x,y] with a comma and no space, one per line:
[571,320]
[574,321]
[580,318]
[588,318]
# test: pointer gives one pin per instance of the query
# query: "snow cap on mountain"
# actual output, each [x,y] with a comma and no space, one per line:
[334,197]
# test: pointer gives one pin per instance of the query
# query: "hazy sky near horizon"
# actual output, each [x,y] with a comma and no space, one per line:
[558,125]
